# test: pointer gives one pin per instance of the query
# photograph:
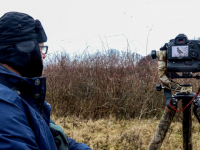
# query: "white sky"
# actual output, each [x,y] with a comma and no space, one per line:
[74,25]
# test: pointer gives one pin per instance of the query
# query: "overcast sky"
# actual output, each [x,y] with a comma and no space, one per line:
[75,25]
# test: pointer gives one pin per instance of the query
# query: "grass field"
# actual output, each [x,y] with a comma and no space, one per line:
[112,134]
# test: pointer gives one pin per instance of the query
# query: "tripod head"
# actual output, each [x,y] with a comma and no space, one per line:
[187,99]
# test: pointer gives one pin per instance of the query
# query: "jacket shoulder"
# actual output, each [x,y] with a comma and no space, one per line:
[9,96]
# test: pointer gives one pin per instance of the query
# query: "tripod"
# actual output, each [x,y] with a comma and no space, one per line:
[168,116]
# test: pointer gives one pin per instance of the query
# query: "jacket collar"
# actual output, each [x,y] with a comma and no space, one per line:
[32,90]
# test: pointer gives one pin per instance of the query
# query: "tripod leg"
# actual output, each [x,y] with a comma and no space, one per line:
[162,129]
[187,126]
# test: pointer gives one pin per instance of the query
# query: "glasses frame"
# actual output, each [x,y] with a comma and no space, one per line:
[43,47]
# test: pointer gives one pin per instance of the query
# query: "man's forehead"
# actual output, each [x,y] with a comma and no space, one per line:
[41,44]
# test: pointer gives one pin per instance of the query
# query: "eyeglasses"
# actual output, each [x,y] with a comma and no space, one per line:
[44,49]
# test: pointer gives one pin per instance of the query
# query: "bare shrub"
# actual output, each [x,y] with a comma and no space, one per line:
[103,84]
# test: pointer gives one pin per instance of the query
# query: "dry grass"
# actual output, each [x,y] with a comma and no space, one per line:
[113,134]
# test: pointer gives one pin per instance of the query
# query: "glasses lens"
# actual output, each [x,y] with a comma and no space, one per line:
[44,50]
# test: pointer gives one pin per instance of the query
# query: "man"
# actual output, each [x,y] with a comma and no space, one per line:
[24,114]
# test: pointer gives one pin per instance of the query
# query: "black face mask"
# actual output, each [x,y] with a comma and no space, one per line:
[25,57]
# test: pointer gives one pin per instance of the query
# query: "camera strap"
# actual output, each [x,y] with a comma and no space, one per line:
[60,137]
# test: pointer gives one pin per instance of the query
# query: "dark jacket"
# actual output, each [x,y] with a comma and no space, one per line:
[25,115]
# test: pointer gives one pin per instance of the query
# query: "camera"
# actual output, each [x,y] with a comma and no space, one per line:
[182,55]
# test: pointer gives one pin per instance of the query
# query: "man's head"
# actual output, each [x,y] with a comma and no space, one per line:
[20,37]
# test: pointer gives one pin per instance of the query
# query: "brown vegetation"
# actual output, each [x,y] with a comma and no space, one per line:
[100,85]
[103,84]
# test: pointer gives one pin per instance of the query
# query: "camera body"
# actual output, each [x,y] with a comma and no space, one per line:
[183,55]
